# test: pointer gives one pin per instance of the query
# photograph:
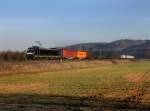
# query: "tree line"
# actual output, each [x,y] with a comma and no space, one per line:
[12,56]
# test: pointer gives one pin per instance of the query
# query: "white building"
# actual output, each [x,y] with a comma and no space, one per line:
[127,57]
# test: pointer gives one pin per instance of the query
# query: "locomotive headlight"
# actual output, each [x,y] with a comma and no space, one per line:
[30,53]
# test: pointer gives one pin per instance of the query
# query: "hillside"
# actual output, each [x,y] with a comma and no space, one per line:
[115,48]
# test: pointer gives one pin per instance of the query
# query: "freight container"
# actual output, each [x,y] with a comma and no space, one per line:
[69,54]
[82,54]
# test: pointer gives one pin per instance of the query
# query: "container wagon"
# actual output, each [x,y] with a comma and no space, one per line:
[72,54]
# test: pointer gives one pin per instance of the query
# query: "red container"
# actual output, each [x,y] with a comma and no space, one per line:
[69,54]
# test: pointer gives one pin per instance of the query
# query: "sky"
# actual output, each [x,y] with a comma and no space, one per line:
[66,22]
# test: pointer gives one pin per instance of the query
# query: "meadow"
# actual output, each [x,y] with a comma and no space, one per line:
[75,86]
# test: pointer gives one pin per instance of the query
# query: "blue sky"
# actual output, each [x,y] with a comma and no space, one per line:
[65,22]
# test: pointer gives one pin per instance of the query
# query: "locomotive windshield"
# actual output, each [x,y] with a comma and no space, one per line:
[30,50]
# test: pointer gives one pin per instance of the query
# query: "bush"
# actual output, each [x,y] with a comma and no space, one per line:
[12,56]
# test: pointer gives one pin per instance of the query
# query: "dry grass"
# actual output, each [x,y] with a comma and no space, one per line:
[137,78]
[46,66]
[22,88]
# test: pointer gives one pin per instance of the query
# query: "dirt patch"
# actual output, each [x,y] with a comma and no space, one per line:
[21,88]
[146,97]
[136,78]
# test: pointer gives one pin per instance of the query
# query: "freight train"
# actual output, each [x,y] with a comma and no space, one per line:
[36,52]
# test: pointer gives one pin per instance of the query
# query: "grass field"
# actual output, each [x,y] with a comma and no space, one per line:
[96,87]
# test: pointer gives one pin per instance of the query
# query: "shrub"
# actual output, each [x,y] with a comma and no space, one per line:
[12,56]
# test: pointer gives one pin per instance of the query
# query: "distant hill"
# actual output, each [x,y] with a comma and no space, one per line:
[120,45]
[143,46]
[115,48]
